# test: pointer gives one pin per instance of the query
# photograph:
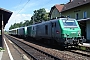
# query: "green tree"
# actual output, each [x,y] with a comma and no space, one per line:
[26,23]
[21,24]
[40,15]
[11,27]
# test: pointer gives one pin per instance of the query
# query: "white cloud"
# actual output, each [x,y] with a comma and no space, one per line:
[17,18]
[47,10]
[19,14]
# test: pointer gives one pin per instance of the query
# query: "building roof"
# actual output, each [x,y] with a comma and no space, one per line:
[74,3]
[6,15]
[84,19]
[58,7]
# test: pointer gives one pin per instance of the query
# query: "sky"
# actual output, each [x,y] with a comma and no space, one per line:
[23,9]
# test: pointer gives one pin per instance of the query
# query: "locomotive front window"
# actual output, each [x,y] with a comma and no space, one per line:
[69,23]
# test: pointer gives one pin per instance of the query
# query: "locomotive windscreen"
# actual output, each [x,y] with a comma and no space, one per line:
[69,23]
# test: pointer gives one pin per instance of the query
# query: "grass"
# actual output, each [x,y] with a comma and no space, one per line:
[2,49]
[83,48]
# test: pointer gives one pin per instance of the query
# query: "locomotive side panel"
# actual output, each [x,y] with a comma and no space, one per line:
[56,30]
[43,30]
[21,31]
[29,30]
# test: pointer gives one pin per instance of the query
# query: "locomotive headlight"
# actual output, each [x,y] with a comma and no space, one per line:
[79,33]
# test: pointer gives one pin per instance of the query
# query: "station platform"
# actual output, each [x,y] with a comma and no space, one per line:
[85,45]
[12,52]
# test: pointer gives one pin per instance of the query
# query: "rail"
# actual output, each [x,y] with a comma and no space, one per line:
[35,53]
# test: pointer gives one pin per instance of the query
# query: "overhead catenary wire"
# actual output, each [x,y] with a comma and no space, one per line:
[21,8]
[17,7]
[19,3]
[24,7]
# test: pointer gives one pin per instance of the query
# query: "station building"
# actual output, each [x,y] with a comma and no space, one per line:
[80,10]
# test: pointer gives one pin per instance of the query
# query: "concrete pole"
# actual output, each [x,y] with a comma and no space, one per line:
[2,32]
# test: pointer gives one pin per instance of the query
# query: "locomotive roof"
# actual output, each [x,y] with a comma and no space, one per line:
[13,29]
[54,20]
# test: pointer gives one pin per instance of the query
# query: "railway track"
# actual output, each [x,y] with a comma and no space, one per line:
[87,54]
[56,54]
[83,55]
[35,53]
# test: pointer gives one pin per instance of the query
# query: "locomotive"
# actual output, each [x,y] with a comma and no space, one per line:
[62,31]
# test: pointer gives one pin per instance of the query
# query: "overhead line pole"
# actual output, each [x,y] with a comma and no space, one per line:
[2,31]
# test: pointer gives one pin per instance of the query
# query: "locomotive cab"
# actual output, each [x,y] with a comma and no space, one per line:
[71,32]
